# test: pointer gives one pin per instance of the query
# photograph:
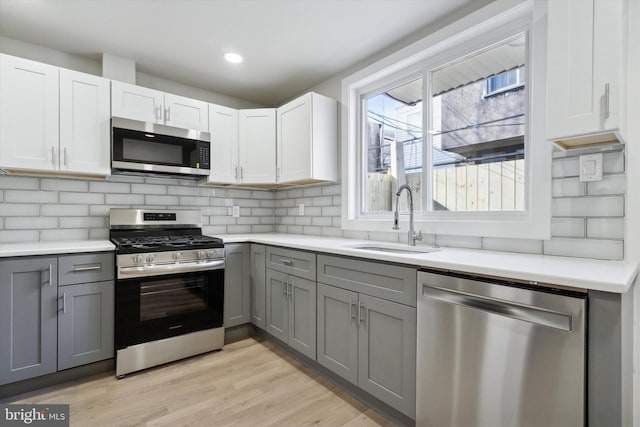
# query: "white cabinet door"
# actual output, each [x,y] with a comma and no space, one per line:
[84,123]
[137,103]
[585,66]
[224,144]
[28,114]
[186,113]
[294,140]
[257,146]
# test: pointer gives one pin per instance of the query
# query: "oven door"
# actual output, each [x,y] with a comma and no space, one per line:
[157,307]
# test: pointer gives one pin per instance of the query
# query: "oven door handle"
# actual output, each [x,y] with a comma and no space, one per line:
[156,270]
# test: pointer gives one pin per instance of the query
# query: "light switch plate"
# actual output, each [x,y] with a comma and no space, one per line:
[591,167]
[301,209]
[236,211]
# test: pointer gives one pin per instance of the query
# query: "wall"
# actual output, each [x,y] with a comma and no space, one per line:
[48,209]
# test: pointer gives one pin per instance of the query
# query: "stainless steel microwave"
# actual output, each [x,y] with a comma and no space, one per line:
[151,148]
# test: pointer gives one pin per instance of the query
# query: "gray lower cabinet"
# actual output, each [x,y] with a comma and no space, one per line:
[237,286]
[291,309]
[85,323]
[258,286]
[371,342]
[28,318]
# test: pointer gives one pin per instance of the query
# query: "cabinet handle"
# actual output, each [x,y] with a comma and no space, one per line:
[167,114]
[352,304]
[242,172]
[53,156]
[361,312]
[236,172]
[50,275]
[158,113]
[286,261]
[285,284]
[80,268]
[65,156]
[607,95]
[64,302]
[277,174]
[290,291]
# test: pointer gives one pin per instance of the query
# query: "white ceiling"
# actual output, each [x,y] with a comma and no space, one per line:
[288,45]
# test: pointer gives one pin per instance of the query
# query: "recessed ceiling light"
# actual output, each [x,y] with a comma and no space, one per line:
[232,57]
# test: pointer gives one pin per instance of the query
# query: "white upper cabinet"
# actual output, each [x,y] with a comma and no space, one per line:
[223,123]
[307,140]
[28,115]
[148,105]
[85,145]
[257,146]
[586,71]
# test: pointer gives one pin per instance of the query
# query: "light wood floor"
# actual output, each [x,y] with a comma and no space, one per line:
[248,383]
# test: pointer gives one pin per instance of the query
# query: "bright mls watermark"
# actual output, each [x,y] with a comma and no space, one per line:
[34,415]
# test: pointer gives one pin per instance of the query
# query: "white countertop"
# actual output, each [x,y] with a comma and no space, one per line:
[54,248]
[609,276]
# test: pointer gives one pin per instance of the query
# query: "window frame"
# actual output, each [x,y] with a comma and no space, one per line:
[491,24]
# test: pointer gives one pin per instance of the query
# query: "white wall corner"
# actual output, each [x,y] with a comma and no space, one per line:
[118,68]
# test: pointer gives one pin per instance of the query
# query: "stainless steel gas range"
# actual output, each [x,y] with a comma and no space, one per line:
[169,295]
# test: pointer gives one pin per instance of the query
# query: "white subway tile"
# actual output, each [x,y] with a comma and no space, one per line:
[161,200]
[124,199]
[102,210]
[66,234]
[19,209]
[203,191]
[83,222]
[267,203]
[337,200]
[321,221]
[312,231]
[281,194]
[607,228]
[585,248]
[304,201]
[294,229]
[19,236]
[458,241]
[281,229]
[262,228]
[323,201]
[610,184]
[99,233]
[266,220]
[286,203]
[312,210]
[148,189]
[589,206]
[30,222]
[212,230]
[332,232]
[192,201]
[245,212]
[238,228]
[336,221]
[386,236]
[185,191]
[295,193]
[82,198]
[18,196]
[261,211]
[613,162]
[261,194]
[109,187]
[214,210]
[251,220]
[1,196]
[567,227]
[248,203]
[355,234]
[568,187]
[286,220]
[126,178]
[222,220]
[165,181]
[312,191]
[565,167]
[331,211]
[527,246]
[18,182]
[64,210]
[302,220]
[64,185]
[331,190]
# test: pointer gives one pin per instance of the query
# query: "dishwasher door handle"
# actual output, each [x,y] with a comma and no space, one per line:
[526,313]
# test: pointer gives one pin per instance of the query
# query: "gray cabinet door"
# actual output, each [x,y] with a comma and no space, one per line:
[86,268]
[302,315]
[258,286]
[277,305]
[85,324]
[338,331]
[292,261]
[28,318]
[387,352]
[237,287]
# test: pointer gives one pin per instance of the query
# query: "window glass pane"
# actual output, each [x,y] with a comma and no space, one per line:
[478,140]
[393,146]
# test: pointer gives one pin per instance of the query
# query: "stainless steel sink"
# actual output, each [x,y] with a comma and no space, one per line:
[393,249]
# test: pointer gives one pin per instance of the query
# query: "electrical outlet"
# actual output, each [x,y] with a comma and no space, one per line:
[236,211]
[301,209]
[591,167]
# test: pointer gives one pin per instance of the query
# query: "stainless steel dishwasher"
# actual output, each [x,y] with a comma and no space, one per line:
[494,354]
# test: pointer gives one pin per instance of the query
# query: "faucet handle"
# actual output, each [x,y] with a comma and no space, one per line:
[395,221]
[418,236]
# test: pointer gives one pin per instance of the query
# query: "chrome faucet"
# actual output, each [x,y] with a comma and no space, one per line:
[412,236]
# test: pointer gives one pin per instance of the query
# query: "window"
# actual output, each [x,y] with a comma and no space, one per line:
[453,120]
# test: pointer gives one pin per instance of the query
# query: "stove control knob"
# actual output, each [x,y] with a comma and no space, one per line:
[177,255]
[210,253]
[202,254]
[137,259]
[150,258]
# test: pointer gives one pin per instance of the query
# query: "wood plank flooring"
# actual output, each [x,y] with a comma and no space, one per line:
[248,383]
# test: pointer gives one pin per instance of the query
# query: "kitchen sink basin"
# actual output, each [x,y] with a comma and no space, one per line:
[393,249]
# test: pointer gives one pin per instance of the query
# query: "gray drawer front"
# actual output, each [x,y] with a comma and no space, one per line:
[85,268]
[296,263]
[390,282]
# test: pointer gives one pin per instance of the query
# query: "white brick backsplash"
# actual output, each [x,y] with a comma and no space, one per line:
[294,229]
[302,220]
[610,184]
[19,209]
[248,203]
[1,196]
[613,162]
[19,236]
[321,221]
[323,201]
[355,234]
[162,200]
[125,178]
[212,230]
[262,228]
[567,227]
[109,187]
[312,210]
[101,210]
[527,246]
[332,232]
[185,191]
[313,231]
[124,199]
[336,221]
[569,166]
[83,222]
[251,220]
[192,201]
[165,181]
[568,187]
[64,234]
[589,206]
[267,203]
[312,191]
[17,196]
[148,189]
[222,220]
[261,195]
[261,211]
[386,236]
[331,211]
[458,241]
[281,229]
[82,198]
[206,192]
[331,190]
[99,233]
[266,220]
[18,182]
[280,211]
[64,185]
[64,210]
[585,248]
[304,201]
[286,203]
[607,228]
[30,222]
[214,210]
[295,193]
[286,220]
[238,228]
